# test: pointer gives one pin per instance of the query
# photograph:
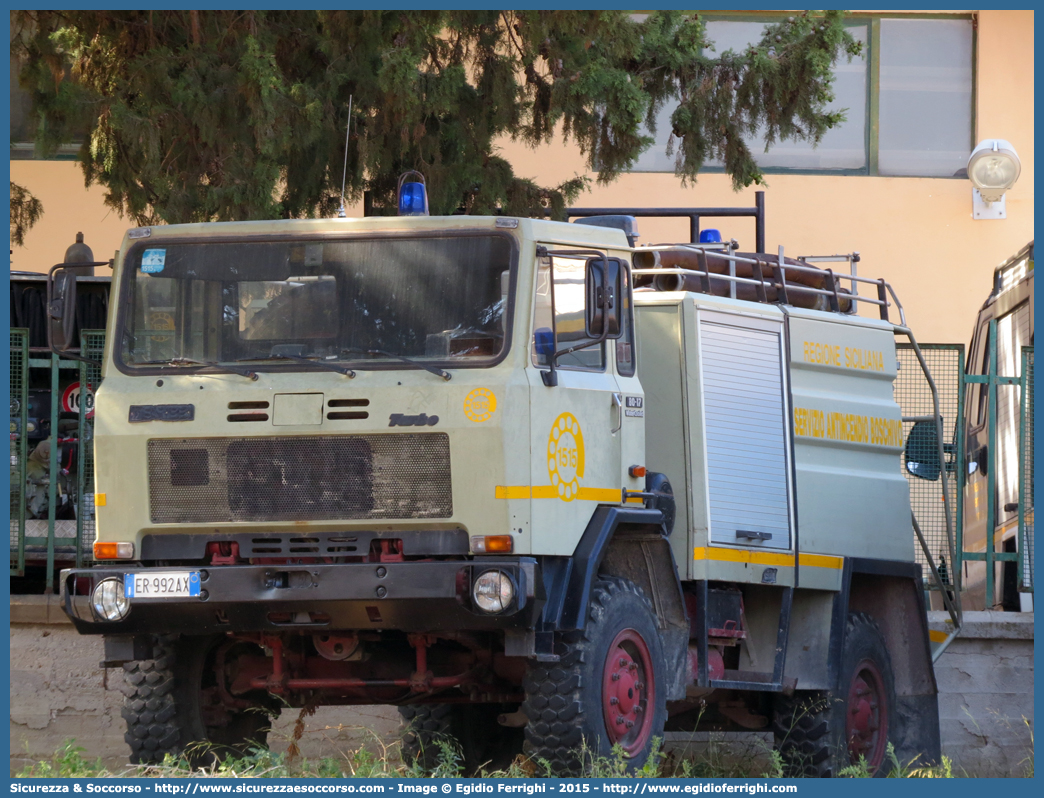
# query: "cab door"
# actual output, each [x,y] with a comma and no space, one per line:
[575,425]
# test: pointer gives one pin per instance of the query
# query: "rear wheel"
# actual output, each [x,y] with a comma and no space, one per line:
[471,730]
[607,688]
[174,703]
[818,734]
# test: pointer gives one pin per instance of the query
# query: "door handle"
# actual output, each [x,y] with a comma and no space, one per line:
[750,535]
[618,407]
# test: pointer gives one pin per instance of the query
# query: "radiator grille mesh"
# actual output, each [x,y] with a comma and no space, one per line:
[212,480]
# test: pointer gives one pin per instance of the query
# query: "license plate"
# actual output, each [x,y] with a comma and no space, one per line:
[162,584]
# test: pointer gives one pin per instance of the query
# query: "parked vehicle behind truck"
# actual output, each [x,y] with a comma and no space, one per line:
[462,466]
[1009,308]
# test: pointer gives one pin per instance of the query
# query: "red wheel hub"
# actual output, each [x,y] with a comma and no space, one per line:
[866,723]
[627,685]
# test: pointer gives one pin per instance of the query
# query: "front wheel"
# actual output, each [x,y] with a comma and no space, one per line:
[174,703]
[607,689]
[818,734]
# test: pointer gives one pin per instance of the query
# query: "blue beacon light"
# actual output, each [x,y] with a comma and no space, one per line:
[413,195]
[710,236]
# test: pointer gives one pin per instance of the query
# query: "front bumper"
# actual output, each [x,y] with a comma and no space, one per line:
[406,596]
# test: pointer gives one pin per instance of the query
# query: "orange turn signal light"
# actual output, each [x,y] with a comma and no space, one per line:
[636,471]
[111,550]
[492,544]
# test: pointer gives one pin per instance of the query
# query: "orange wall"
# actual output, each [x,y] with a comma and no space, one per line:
[915,232]
[68,208]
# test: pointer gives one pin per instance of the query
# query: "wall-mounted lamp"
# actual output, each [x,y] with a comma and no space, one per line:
[993,168]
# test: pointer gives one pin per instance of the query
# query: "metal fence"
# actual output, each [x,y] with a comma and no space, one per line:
[52,486]
[1026,474]
[914,396]
[92,344]
[19,419]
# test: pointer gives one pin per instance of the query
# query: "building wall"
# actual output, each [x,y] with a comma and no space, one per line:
[917,233]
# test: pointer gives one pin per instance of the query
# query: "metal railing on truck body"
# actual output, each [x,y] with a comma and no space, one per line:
[694,215]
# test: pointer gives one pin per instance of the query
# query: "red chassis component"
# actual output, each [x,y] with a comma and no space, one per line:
[382,680]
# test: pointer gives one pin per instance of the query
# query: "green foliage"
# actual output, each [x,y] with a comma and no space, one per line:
[897,770]
[222,115]
[67,762]
[26,211]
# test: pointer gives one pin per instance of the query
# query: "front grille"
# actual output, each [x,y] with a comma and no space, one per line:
[320,478]
[189,468]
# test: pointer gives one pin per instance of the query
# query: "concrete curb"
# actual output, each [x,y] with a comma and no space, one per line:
[38,610]
[987,625]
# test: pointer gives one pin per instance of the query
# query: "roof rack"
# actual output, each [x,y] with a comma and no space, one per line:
[780,285]
[885,294]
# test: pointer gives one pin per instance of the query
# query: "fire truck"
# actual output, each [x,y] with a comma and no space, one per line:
[546,491]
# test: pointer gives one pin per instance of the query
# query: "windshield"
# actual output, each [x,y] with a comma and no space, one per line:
[360,300]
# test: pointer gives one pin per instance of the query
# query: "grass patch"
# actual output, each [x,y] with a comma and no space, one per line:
[69,762]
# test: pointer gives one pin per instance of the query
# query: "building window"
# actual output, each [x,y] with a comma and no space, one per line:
[925,96]
[909,101]
[23,126]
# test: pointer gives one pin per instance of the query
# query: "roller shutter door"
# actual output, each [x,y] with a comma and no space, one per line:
[747,449]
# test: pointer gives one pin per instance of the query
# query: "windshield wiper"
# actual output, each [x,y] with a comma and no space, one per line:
[427,367]
[187,361]
[315,360]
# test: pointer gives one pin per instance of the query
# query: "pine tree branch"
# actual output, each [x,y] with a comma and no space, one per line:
[186,126]
[26,211]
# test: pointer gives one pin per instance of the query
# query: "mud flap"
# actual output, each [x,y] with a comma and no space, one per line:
[918,743]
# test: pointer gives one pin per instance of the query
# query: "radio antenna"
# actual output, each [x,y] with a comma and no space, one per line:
[344,175]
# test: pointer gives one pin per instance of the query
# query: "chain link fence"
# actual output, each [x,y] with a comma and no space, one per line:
[920,461]
[92,345]
[1026,474]
[19,443]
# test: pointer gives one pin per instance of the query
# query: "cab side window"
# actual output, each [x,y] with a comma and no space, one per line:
[625,351]
[558,316]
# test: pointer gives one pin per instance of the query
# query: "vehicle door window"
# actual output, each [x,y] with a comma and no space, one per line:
[559,314]
[625,353]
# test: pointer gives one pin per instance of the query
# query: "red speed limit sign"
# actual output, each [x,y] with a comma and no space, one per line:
[71,400]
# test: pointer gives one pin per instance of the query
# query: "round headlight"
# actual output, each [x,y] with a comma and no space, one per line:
[109,600]
[493,592]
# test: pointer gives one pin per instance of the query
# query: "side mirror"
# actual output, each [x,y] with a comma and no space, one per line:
[922,451]
[604,302]
[61,308]
[61,305]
